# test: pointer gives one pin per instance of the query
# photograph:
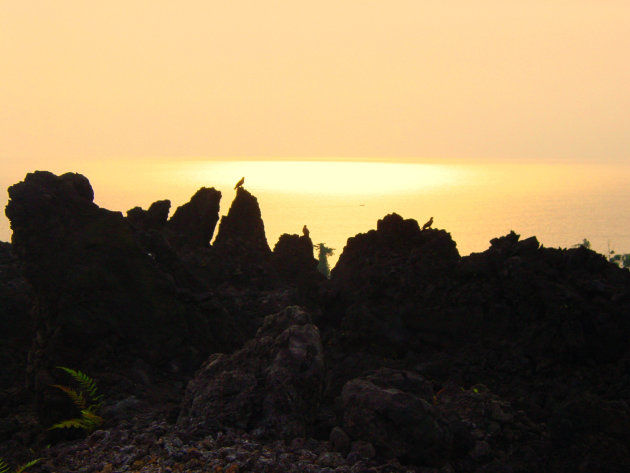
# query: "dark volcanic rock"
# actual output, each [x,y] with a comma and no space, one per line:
[242,231]
[389,409]
[101,301]
[271,386]
[546,328]
[293,260]
[380,280]
[293,257]
[16,323]
[152,219]
[241,253]
[192,225]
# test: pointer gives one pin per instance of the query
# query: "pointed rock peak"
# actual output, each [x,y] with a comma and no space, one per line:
[243,224]
[244,205]
[193,223]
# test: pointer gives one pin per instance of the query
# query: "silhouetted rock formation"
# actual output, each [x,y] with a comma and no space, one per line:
[152,219]
[192,225]
[271,386]
[242,229]
[294,261]
[240,248]
[514,359]
[381,275]
[100,298]
[16,323]
[526,321]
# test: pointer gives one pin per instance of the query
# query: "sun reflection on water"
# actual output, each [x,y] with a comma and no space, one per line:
[328,178]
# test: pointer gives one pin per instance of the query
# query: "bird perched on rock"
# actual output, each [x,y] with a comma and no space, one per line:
[428,224]
[239,183]
[305,231]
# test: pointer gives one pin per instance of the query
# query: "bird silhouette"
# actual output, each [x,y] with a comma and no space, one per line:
[239,183]
[428,224]
[305,231]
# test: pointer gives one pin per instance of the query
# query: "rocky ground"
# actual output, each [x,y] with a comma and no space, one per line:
[234,357]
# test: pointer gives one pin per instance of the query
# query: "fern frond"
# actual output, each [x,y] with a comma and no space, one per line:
[70,424]
[87,383]
[28,465]
[4,467]
[91,418]
[77,398]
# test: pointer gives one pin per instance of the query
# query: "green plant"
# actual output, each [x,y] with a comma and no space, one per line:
[86,399]
[322,265]
[4,467]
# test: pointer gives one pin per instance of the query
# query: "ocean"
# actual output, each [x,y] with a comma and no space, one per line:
[560,204]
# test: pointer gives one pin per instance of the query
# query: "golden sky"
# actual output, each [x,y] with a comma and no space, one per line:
[405,79]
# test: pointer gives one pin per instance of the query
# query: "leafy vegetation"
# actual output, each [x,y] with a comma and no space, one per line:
[85,398]
[322,265]
[4,467]
[622,259]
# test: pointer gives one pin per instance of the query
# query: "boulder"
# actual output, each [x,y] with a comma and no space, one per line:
[389,409]
[271,387]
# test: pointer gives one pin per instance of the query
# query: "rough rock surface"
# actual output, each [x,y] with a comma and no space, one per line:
[271,386]
[240,253]
[16,323]
[415,359]
[392,411]
[294,262]
[192,225]
[152,219]
[100,298]
[380,280]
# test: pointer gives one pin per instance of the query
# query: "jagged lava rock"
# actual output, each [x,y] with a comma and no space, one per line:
[16,322]
[192,225]
[390,409]
[152,219]
[397,245]
[293,257]
[379,278]
[294,262]
[270,387]
[241,253]
[242,230]
[100,298]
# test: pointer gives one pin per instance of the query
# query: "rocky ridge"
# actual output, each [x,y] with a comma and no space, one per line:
[410,358]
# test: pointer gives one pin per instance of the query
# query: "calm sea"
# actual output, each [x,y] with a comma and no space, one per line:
[559,204]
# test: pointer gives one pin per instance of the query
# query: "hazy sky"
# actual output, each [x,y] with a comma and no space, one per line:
[456,79]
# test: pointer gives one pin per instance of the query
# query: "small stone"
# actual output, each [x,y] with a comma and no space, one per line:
[496,413]
[108,468]
[340,440]
[482,449]
[363,449]
[331,459]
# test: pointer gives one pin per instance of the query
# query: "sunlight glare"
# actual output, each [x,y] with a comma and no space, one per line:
[331,178]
